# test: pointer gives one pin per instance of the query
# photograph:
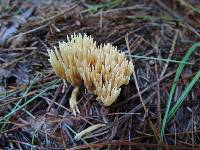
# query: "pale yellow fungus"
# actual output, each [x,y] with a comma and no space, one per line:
[103,69]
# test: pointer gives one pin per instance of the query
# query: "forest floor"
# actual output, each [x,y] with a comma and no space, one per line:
[161,37]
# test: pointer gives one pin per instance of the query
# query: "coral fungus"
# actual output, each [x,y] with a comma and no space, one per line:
[102,69]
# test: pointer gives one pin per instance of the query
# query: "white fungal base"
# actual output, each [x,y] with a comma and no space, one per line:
[73,101]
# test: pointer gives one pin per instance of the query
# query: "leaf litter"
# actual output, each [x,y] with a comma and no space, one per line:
[34,106]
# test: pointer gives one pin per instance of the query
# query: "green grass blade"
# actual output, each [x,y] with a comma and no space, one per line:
[150,18]
[17,105]
[84,141]
[173,88]
[160,59]
[4,96]
[104,6]
[33,139]
[183,96]
[29,101]
[191,7]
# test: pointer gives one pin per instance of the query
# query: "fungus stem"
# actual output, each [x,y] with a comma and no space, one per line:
[73,101]
[64,86]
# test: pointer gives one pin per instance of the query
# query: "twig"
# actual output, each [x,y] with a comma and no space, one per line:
[101,20]
[133,143]
[71,7]
[120,9]
[30,31]
[158,97]
[170,54]
[18,49]
[16,60]
[145,109]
